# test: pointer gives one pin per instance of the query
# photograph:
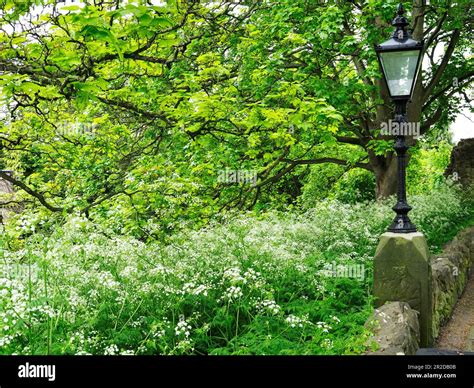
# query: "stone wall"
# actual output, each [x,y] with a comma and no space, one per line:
[461,165]
[450,271]
[395,324]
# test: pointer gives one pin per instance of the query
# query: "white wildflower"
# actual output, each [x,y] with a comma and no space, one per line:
[111,350]
[327,343]
[182,328]
[323,326]
[233,292]
[268,306]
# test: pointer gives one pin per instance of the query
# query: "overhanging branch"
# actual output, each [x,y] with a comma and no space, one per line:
[341,162]
[444,63]
[40,197]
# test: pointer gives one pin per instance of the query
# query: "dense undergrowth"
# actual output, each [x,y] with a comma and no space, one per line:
[247,284]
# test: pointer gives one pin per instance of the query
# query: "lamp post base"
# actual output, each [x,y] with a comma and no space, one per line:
[402,224]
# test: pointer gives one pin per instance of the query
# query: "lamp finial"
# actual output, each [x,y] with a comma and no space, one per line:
[400,22]
[400,10]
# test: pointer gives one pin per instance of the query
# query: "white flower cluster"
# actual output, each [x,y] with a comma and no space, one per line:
[233,274]
[301,268]
[106,280]
[160,269]
[86,343]
[201,289]
[254,279]
[159,334]
[129,271]
[320,288]
[268,306]
[184,346]
[323,326]
[233,293]
[78,337]
[14,306]
[26,225]
[295,321]
[183,328]
[6,322]
[193,289]
[251,275]
[75,300]
[43,310]
[78,222]
[6,340]
[111,350]
[140,321]
[326,343]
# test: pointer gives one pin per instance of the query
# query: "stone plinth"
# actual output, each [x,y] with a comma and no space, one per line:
[402,273]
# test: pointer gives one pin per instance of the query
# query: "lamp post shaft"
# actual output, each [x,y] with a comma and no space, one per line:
[401,223]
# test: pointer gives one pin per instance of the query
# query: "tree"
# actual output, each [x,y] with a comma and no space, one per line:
[325,49]
[144,105]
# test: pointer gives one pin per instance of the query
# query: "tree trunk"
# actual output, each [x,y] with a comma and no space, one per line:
[386,179]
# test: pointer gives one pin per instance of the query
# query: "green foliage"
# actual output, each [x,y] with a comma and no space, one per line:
[427,166]
[319,183]
[355,186]
[352,186]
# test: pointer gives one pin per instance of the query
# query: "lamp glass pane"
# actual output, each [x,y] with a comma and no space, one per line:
[399,68]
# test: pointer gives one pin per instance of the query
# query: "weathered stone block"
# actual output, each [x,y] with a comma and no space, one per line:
[461,166]
[396,329]
[402,272]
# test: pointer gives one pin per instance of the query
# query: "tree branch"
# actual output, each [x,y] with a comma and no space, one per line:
[350,140]
[341,162]
[444,63]
[40,197]
[447,87]
[431,120]
[436,31]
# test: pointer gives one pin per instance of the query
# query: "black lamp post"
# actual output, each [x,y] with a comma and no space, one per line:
[400,60]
